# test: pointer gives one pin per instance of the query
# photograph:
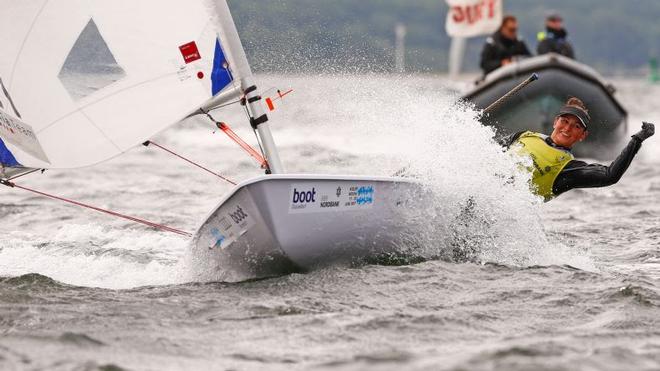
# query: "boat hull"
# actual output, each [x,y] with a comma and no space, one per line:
[535,107]
[278,224]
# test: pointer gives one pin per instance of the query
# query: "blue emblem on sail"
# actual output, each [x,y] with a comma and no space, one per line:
[220,76]
[6,157]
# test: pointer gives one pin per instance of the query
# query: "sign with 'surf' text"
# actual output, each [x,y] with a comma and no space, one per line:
[469,18]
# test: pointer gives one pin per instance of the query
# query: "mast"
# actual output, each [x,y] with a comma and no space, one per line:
[242,68]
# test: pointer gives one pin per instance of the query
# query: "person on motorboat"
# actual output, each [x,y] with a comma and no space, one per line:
[503,47]
[553,39]
[555,170]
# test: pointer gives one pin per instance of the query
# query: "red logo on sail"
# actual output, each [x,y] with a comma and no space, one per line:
[190,52]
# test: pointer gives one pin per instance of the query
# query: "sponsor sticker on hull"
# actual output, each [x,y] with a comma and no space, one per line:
[328,197]
[231,223]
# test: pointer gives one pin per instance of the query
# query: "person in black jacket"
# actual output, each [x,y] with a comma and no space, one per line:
[553,40]
[503,47]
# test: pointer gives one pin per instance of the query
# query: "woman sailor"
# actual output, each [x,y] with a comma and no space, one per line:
[555,170]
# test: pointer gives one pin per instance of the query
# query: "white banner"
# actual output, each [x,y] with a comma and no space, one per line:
[468,18]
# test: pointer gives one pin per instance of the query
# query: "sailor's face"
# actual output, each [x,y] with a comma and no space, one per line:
[555,24]
[510,30]
[567,131]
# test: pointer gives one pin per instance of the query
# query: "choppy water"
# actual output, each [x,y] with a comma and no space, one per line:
[572,284]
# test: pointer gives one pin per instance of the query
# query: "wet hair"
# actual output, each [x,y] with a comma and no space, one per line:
[507,19]
[576,102]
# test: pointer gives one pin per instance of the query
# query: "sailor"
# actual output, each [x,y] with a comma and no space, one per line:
[555,170]
[503,47]
[553,39]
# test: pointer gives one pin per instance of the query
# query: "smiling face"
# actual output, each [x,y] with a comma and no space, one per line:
[567,131]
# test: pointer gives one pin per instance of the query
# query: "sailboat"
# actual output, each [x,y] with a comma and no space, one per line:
[85,81]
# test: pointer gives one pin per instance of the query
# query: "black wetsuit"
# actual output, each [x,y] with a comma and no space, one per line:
[579,174]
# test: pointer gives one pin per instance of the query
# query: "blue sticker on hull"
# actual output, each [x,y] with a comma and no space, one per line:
[219,237]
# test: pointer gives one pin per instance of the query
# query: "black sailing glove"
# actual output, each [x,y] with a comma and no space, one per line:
[648,129]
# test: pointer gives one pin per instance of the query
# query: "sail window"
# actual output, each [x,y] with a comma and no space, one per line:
[90,65]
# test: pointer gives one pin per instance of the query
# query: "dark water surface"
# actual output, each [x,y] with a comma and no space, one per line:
[84,292]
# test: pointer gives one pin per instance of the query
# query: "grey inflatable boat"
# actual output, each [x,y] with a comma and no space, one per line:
[535,107]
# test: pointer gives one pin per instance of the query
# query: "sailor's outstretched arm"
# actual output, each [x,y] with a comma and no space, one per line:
[579,174]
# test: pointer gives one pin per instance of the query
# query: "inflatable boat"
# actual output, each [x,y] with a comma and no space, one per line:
[535,107]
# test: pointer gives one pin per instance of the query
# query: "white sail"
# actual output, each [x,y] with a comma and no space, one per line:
[91,79]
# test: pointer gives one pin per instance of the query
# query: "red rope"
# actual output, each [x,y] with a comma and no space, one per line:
[137,220]
[189,161]
[251,151]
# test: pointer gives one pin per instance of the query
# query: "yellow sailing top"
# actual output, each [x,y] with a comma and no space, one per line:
[547,160]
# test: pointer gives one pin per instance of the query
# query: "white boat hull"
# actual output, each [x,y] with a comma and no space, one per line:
[277,224]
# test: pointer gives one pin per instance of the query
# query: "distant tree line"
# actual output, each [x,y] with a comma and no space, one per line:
[351,35]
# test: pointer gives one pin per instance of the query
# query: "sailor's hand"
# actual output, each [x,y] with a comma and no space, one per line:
[648,129]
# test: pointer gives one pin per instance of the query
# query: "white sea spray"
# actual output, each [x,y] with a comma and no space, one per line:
[482,204]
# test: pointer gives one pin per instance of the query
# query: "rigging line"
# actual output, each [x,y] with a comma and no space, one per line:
[249,117]
[261,149]
[109,212]
[251,151]
[225,105]
[264,162]
[256,134]
[147,143]
[24,174]
[238,140]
